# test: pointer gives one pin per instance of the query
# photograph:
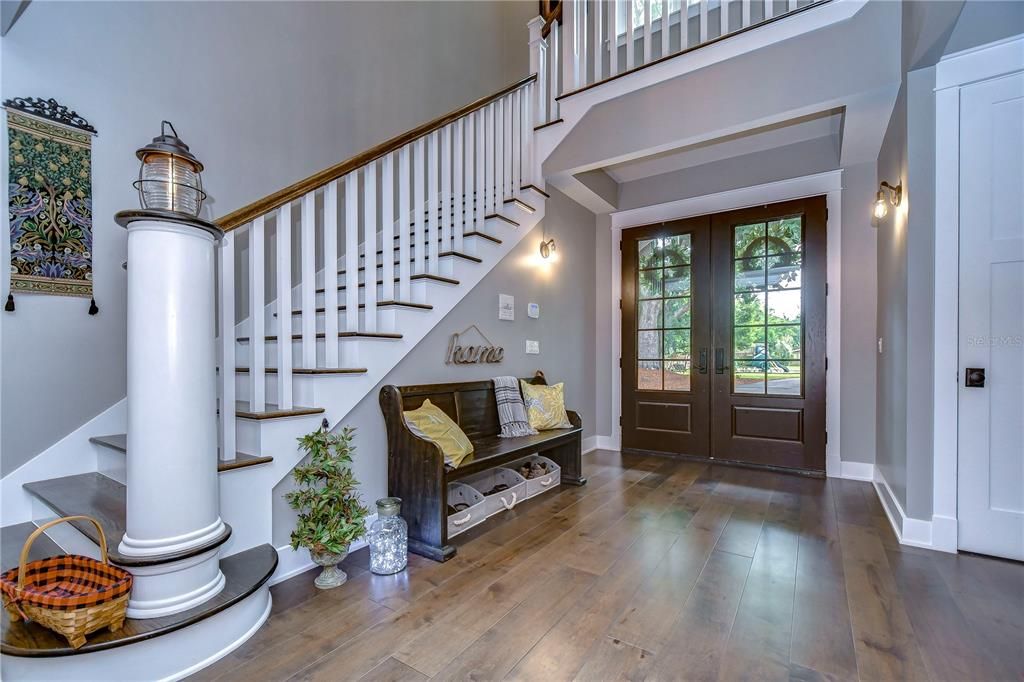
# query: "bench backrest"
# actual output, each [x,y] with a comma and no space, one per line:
[470,404]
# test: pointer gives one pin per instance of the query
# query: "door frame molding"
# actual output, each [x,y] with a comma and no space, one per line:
[953,72]
[830,184]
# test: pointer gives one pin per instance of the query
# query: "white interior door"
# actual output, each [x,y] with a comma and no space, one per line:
[990,502]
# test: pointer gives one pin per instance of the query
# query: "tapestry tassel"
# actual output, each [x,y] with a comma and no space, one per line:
[10,303]
[92,307]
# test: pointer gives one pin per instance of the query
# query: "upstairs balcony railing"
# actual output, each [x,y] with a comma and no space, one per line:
[582,43]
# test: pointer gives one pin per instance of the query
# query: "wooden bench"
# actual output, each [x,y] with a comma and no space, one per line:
[416,469]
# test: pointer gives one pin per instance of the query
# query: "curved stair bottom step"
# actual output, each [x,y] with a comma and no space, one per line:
[168,648]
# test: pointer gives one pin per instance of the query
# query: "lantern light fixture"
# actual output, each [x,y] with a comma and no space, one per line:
[895,196]
[170,175]
[547,248]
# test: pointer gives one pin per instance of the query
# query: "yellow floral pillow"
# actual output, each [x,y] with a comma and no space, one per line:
[430,422]
[545,406]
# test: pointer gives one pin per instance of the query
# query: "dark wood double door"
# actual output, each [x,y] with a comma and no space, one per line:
[723,336]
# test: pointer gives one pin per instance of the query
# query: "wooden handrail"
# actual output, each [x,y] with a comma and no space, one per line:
[294,191]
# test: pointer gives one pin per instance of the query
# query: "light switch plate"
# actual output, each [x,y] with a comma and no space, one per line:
[532,347]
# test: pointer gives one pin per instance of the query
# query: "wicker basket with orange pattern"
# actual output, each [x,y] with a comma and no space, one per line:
[72,595]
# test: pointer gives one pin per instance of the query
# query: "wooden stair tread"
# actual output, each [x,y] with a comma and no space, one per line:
[273,411]
[12,539]
[244,573]
[380,304]
[315,370]
[426,257]
[103,498]
[521,204]
[119,442]
[537,189]
[484,235]
[343,335]
[423,275]
[498,216]
[542,126]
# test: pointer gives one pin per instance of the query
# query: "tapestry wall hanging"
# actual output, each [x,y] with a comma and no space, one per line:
[49,199]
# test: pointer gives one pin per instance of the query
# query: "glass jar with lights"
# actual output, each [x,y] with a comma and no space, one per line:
[388,538]
[170,175]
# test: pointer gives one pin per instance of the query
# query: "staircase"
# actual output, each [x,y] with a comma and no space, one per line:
[321,289]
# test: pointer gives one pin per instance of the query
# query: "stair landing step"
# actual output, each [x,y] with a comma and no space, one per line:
[119,442]
[342,335]
[380,304]
[104,499]
[273,411]
[12,539]
[244,573]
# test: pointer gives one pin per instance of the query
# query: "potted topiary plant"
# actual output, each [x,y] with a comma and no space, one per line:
[331,516]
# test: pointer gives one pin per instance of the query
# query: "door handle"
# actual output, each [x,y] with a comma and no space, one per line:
[702,365]
[720,365]
[974,377]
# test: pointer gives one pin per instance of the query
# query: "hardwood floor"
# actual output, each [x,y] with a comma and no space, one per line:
[663,570]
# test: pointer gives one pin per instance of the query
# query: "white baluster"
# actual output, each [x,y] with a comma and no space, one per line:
[599,10]
[613,37]
[419,205]
[226,309]
[352,251]
[448,207]
[387,222]
[506,149]
[666,23]
[433,199]
[528,135]
[648,31]
[516,128]
[331,274]
[257,319]
[703,21]
[556,56]
[539,66]
[284,307]
[745,12]
[769,9]
[460,154]
[404,255]
[307,261]
[791,5]
[488,157]
[480,165]
[370,247]
[570,25]
[630,47]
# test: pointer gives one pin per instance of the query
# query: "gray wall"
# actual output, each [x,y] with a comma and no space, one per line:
[985,21]
[565,290]
[265,93]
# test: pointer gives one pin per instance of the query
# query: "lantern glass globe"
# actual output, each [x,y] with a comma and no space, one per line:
[170,183]
[881,207]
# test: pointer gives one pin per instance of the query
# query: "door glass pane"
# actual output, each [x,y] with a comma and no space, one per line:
[677,375]
[677,281]
[767,311]
[650,315]
[648,375]
[783,378]
[649,345]
[663,313]
[677,312]
[650,284]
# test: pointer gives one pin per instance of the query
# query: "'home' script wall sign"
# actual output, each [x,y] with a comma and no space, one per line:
[485,353]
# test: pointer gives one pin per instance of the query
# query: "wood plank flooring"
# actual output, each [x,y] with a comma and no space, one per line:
[663,570]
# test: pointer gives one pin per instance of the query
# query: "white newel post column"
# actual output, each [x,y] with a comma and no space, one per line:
[538,65]
[173,527]
[173,505]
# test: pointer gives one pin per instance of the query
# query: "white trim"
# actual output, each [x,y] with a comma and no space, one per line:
[910,531]
[951,73]
[291,563]
[857,471]
[830,184]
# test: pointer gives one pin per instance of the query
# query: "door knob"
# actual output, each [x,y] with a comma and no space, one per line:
[974,377]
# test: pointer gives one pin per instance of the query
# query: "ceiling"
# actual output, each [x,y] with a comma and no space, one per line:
[826,124]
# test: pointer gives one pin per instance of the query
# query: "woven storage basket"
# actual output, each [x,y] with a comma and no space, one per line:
[72,595]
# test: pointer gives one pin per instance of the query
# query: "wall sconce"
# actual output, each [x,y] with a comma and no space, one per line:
[546,248]
[882,202]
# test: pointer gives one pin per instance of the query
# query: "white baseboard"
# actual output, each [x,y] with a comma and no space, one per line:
[291,562]
[937,534]
[857,471]
[592,443]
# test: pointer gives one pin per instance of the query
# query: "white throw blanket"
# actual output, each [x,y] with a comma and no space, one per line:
[511,410]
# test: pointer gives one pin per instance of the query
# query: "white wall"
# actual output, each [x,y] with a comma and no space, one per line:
[265,93]
[564,288]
